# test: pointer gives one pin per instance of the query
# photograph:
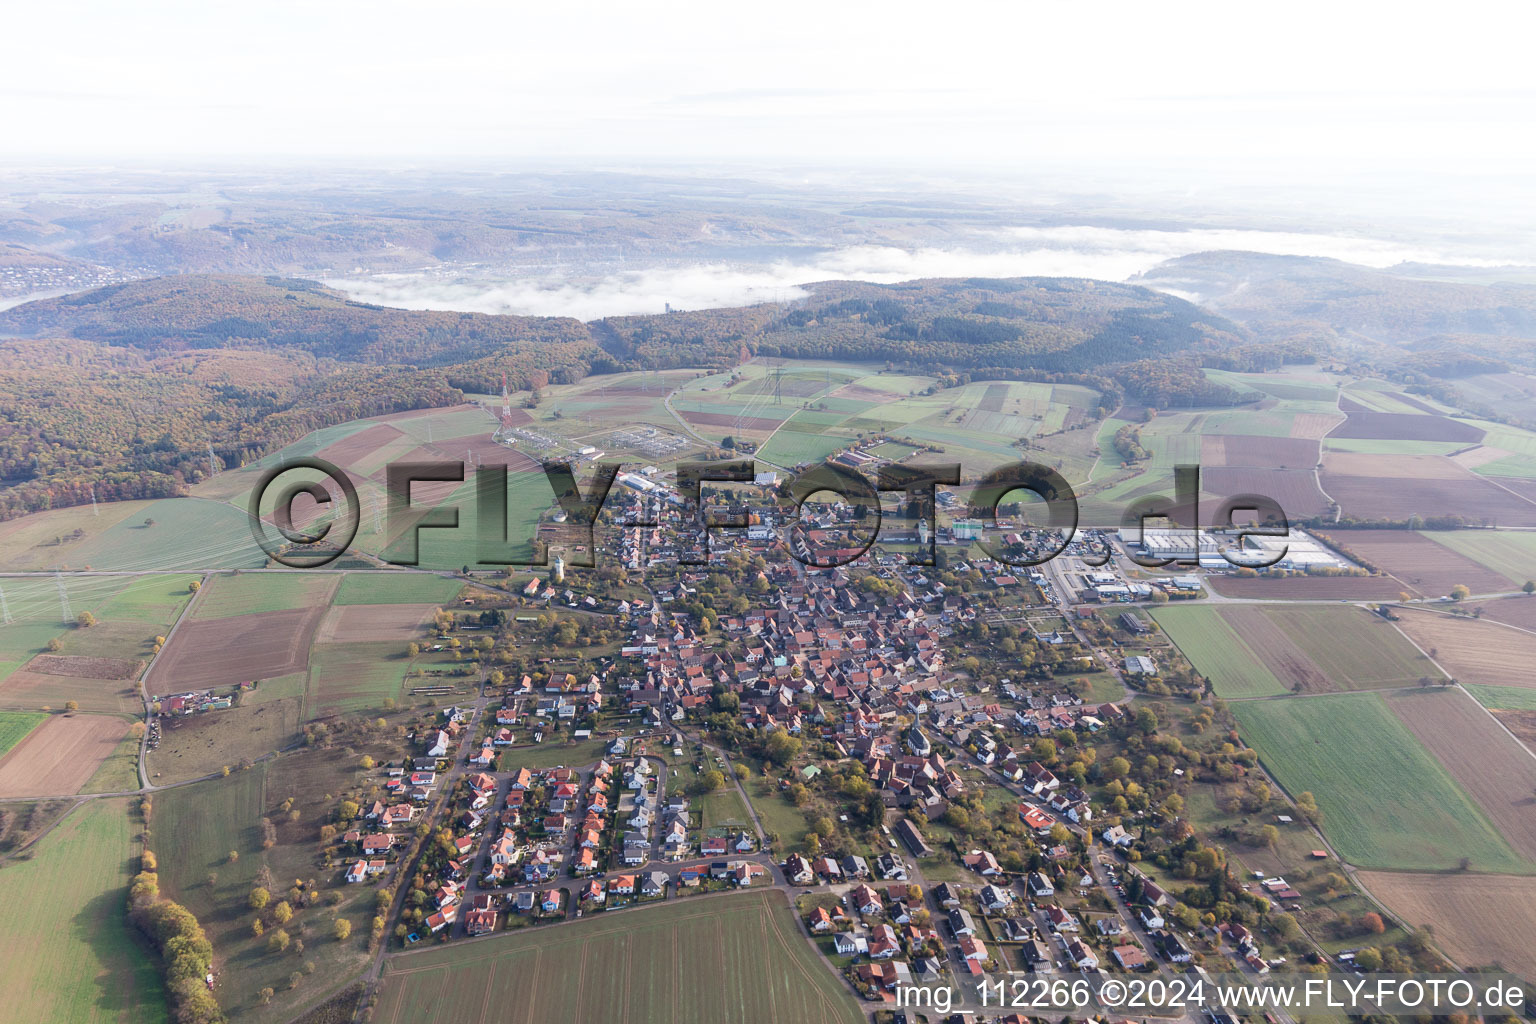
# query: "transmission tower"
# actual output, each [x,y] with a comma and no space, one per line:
[375,504]
[64,609]
[778,384]
[94,510]
[5,609]
[213,465]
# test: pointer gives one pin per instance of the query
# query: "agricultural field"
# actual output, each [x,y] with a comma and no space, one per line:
[1478,920]
[1509,698]
[387,623]
[196,827]
[1219,652]
[166,535]
[230,594]
[396,588]
[1426,566]
[1262,650]
[1472,651]
[354,676]
[1307,588]
[14,725]
[1371,486]
[1386,801]
[1353,648]
[119,773]
[1509,554]
[1519,612]
[70,954]
[1484,759]
[224,652]
[58,757]
[738,957]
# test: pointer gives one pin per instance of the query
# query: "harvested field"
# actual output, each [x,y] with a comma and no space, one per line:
[60,756]
[1484,653]
[1314,425]
[364,623]
[25,688]
[723,419]
[1307,588]
[196,745]
[1513,611]
[1420,563]
[1478,455]
[1509,553]
[1479,920]
[1218,450]
[1402,486]
[1295,489]
[1274,649]
[1405,426]
[1498,773]
[222,652]
[351,450]
[89,668]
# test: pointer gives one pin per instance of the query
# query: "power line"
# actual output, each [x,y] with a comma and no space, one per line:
[5,609]
[64,609]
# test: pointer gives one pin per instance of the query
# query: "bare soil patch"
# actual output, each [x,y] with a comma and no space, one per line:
[1258,452]
[220,652]
[1406,426]
[89,668]
[1294,489]
[1308,588]
[367,623]
[1473,651]
[60,756]
[1478,919]
[360,445]
[1314,425]
[1422,565]
[1515,611]
[1402,486]
[1498,772]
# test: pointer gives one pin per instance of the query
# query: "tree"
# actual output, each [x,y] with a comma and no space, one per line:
[342,929]
[54,644]
[347,810]
[71,705]
[257,927]
[266,996]
[366,763]
[1368,959]
[85,620]
[1270,836]
[194,586]
[1460,592]
[1373,923]
[282,912]
[278,941]
[234,855]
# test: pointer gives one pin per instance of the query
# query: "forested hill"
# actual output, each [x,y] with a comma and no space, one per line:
[988,327]
[269,313]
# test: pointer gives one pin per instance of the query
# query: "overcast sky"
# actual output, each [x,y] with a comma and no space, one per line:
[1296,88]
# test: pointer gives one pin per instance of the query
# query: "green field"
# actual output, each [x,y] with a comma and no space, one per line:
[1386,802]
[396,588]
[187,533]
[739,958]
[14,726]
[229,594]
[1505,698]
[1355,648]
[119,773]
[354,677]
[1217,651]
[1504,551]
[195,828]
[70,954]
